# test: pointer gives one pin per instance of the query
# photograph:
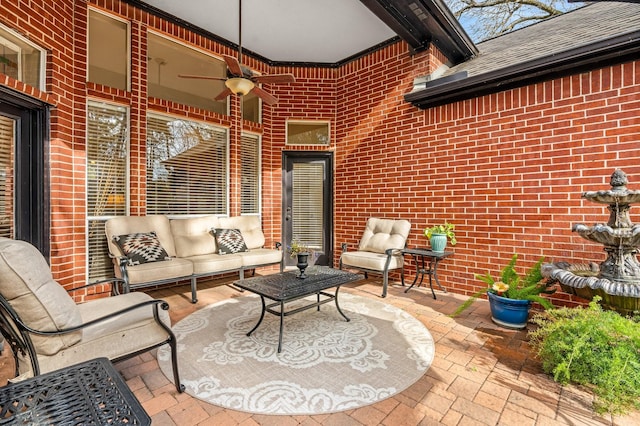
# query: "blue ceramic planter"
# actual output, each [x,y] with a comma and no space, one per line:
[438,242]
[509,313]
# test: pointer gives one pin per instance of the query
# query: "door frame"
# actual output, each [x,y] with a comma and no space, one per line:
[31,167]
[307,156]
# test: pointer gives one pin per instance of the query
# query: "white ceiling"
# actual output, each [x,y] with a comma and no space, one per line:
[319,31]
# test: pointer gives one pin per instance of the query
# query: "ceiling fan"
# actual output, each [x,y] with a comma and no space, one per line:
[241,80]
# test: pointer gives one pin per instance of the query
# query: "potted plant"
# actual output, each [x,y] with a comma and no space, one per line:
[511,296]
[439,234]
[301,251]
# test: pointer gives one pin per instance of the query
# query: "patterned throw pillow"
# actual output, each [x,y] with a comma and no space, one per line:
[229,241]
[141,248]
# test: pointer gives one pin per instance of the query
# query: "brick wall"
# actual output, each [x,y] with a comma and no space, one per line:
[507,169]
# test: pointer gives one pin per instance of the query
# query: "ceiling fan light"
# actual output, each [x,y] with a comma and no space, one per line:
[239,86]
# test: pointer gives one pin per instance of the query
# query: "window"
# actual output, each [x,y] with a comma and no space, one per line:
[108,51]
[21,59]
[251,108]
[7,142]
[307,132]
[187,167]
[107,145]
[250,174]
[168,60]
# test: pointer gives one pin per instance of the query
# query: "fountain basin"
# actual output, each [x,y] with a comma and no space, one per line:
[583,280]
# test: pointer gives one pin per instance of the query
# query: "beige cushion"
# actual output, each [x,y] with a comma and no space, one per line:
[371,261]
[155,271]
[131,332]
[193,237]
[382,234]
[123,225]
[250,226]
[215,263]
[260,256]
[43,304]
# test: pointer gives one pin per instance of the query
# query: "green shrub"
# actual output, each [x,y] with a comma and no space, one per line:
[592,347]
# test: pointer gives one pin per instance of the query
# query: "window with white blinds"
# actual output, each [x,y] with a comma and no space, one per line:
[7,143]
[307,202]
[107,144]
[250,174]
[187,167]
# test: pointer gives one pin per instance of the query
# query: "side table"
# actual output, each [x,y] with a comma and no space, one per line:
[89,393]
[423,268]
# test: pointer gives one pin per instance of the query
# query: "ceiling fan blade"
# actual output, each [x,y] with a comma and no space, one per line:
[226,92]
[275,78]
[233,65]
[201,77]
[268,98]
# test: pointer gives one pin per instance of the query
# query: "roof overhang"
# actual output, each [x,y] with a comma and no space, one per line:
[612,51]
[422,22]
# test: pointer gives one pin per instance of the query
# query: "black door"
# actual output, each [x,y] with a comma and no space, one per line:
[24,181]
[307,203]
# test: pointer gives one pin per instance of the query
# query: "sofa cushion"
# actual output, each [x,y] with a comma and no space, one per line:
[141,247]
[192,236]
[249,226]
[382,234]
[43,304]
[122,225]
[229,241]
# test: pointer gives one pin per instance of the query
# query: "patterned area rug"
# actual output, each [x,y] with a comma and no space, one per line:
[326,364]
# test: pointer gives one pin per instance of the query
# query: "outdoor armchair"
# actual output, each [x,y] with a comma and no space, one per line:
[379,249]
[47,330]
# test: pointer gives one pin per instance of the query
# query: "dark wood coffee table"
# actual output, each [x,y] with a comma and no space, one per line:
[286,287]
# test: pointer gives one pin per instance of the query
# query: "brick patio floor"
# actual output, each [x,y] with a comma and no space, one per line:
[481,374]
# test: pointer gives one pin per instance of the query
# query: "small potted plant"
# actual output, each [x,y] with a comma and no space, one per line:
[301,251]
[439,234]
[511,296]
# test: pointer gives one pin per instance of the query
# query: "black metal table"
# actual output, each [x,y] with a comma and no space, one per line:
[286,287]
[90,393]
[422,269]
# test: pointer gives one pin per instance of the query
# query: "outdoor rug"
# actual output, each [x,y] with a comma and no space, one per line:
[326,364]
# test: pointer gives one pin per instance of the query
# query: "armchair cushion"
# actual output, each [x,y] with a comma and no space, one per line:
[141,247]
[382,234]
[30,289]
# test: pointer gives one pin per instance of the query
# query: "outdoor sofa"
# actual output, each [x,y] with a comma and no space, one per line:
[152,250]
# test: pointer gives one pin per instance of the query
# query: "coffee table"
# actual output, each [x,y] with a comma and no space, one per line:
[89,393]
[286,287]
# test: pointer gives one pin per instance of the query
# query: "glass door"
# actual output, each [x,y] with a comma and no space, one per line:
[308,204]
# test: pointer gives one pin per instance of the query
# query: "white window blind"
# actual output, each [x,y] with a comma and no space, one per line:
[187,167]
[308,200]
[7,143]
[250,174]
[107,143]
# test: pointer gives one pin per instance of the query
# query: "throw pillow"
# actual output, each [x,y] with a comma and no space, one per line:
[229,241]
[142,247]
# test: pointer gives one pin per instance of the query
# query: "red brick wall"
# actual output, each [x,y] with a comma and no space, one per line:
[507,169]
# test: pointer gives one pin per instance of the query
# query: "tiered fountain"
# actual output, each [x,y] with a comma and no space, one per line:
[617,279]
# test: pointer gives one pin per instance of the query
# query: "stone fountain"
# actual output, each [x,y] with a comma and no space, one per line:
[617,279]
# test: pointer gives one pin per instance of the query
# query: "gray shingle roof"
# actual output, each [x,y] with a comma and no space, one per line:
[581,27]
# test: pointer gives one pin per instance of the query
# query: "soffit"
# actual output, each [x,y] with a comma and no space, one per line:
[323,32]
